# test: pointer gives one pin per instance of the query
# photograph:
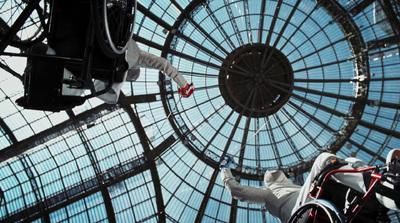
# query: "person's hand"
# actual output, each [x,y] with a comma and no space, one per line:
[225,162]
[186,91]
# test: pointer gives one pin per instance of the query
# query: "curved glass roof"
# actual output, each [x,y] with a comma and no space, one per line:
[277,83]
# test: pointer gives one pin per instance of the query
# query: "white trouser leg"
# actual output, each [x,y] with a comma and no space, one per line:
[318,165]
[354,180]
[148,60]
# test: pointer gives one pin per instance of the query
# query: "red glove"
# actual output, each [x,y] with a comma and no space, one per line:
[186,91]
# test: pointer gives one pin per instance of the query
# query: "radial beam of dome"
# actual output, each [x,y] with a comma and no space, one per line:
[292,144]
[244,140]
[261,21]
[81,191]
[313,118]
[272,27]
[324,93]
[298,28]
[148,152]
[217,132]
[57,130]
[325,80]
[233,22]
[248,22]
[274,146]
[322,65]
[320,106]
[152,16]
[317,51]
[233,131]
[391,131]
[209,37]
[206,198]
[300,128]
[219,26]
[368,151]
[282,30]
[199,46]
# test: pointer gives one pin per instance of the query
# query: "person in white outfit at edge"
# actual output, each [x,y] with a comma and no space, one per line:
[282,198]
[136,59]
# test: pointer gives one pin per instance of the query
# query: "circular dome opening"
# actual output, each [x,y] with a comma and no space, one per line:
[273,90]
[256,80]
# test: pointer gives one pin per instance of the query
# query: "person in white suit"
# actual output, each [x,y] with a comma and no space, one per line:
[282,198]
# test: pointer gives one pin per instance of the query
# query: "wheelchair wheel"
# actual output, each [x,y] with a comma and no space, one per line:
[33,30]
[318,211]
[114,22]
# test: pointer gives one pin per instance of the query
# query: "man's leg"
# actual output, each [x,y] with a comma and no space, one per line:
[353,180]
[320,163]
[148,60]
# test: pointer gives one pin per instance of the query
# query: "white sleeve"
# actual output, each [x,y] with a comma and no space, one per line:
[254,195]
[278,199]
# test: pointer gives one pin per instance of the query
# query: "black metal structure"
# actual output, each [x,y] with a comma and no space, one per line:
[277,83]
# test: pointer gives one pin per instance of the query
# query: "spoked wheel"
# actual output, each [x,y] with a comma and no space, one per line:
[317,211]
[114,21]
[33,30]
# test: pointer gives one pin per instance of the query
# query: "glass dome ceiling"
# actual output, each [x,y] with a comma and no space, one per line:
[276,83]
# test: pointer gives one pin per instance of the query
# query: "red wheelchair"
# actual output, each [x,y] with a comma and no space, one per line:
[335,202]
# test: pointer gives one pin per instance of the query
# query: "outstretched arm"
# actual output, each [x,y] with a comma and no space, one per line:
[279,198]
[254,195]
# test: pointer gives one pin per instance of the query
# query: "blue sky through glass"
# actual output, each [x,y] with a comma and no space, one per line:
[62,168]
